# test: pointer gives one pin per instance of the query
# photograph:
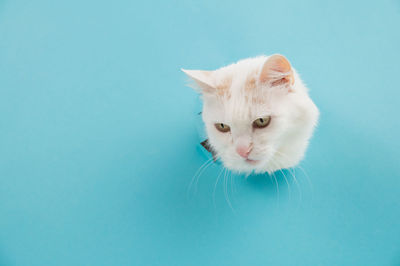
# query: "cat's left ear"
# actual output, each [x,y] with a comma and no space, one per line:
[277,71]
[202,79]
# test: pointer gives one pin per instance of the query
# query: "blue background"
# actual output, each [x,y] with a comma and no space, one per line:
[98,138]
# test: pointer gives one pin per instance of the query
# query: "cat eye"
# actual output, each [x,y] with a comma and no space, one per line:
[222,127]
[262,122]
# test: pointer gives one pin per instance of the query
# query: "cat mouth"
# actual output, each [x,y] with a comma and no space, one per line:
[251,161]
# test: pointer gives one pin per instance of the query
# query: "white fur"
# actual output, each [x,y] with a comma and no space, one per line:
[282,143]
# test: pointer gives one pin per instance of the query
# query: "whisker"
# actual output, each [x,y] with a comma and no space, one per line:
[307,178]
[226,191]
[215,185]
[297,184]
[293,176]
[198,177]
[231,182]
[198,172]
[277,188]
[234,182]
[287,183]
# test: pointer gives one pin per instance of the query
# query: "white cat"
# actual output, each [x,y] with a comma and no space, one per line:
[257,113]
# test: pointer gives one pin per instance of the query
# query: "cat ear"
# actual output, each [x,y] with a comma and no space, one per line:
[202,78]
[277,71]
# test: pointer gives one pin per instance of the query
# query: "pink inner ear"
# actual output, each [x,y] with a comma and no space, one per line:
[277,71]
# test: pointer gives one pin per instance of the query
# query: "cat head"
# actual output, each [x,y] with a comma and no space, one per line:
[257,113]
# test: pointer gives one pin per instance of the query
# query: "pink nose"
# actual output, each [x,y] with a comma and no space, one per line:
[243,151]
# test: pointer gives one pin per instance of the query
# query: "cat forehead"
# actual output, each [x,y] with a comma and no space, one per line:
[231,87]
[237,108]
[239,76]
[239,91]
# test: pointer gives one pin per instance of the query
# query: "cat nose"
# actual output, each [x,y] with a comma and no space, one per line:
[244,151]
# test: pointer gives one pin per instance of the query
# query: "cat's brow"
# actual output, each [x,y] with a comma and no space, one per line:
[251,81]
[224,85]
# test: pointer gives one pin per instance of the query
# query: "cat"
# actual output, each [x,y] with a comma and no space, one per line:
[257,113]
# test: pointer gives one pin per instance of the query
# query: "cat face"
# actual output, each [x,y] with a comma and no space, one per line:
[257,113]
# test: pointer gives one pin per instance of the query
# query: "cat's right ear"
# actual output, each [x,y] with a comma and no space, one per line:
[277,71]
[202,80]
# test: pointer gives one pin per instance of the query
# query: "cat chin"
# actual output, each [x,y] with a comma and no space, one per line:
[260,166]
[247,166]
[249,169]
